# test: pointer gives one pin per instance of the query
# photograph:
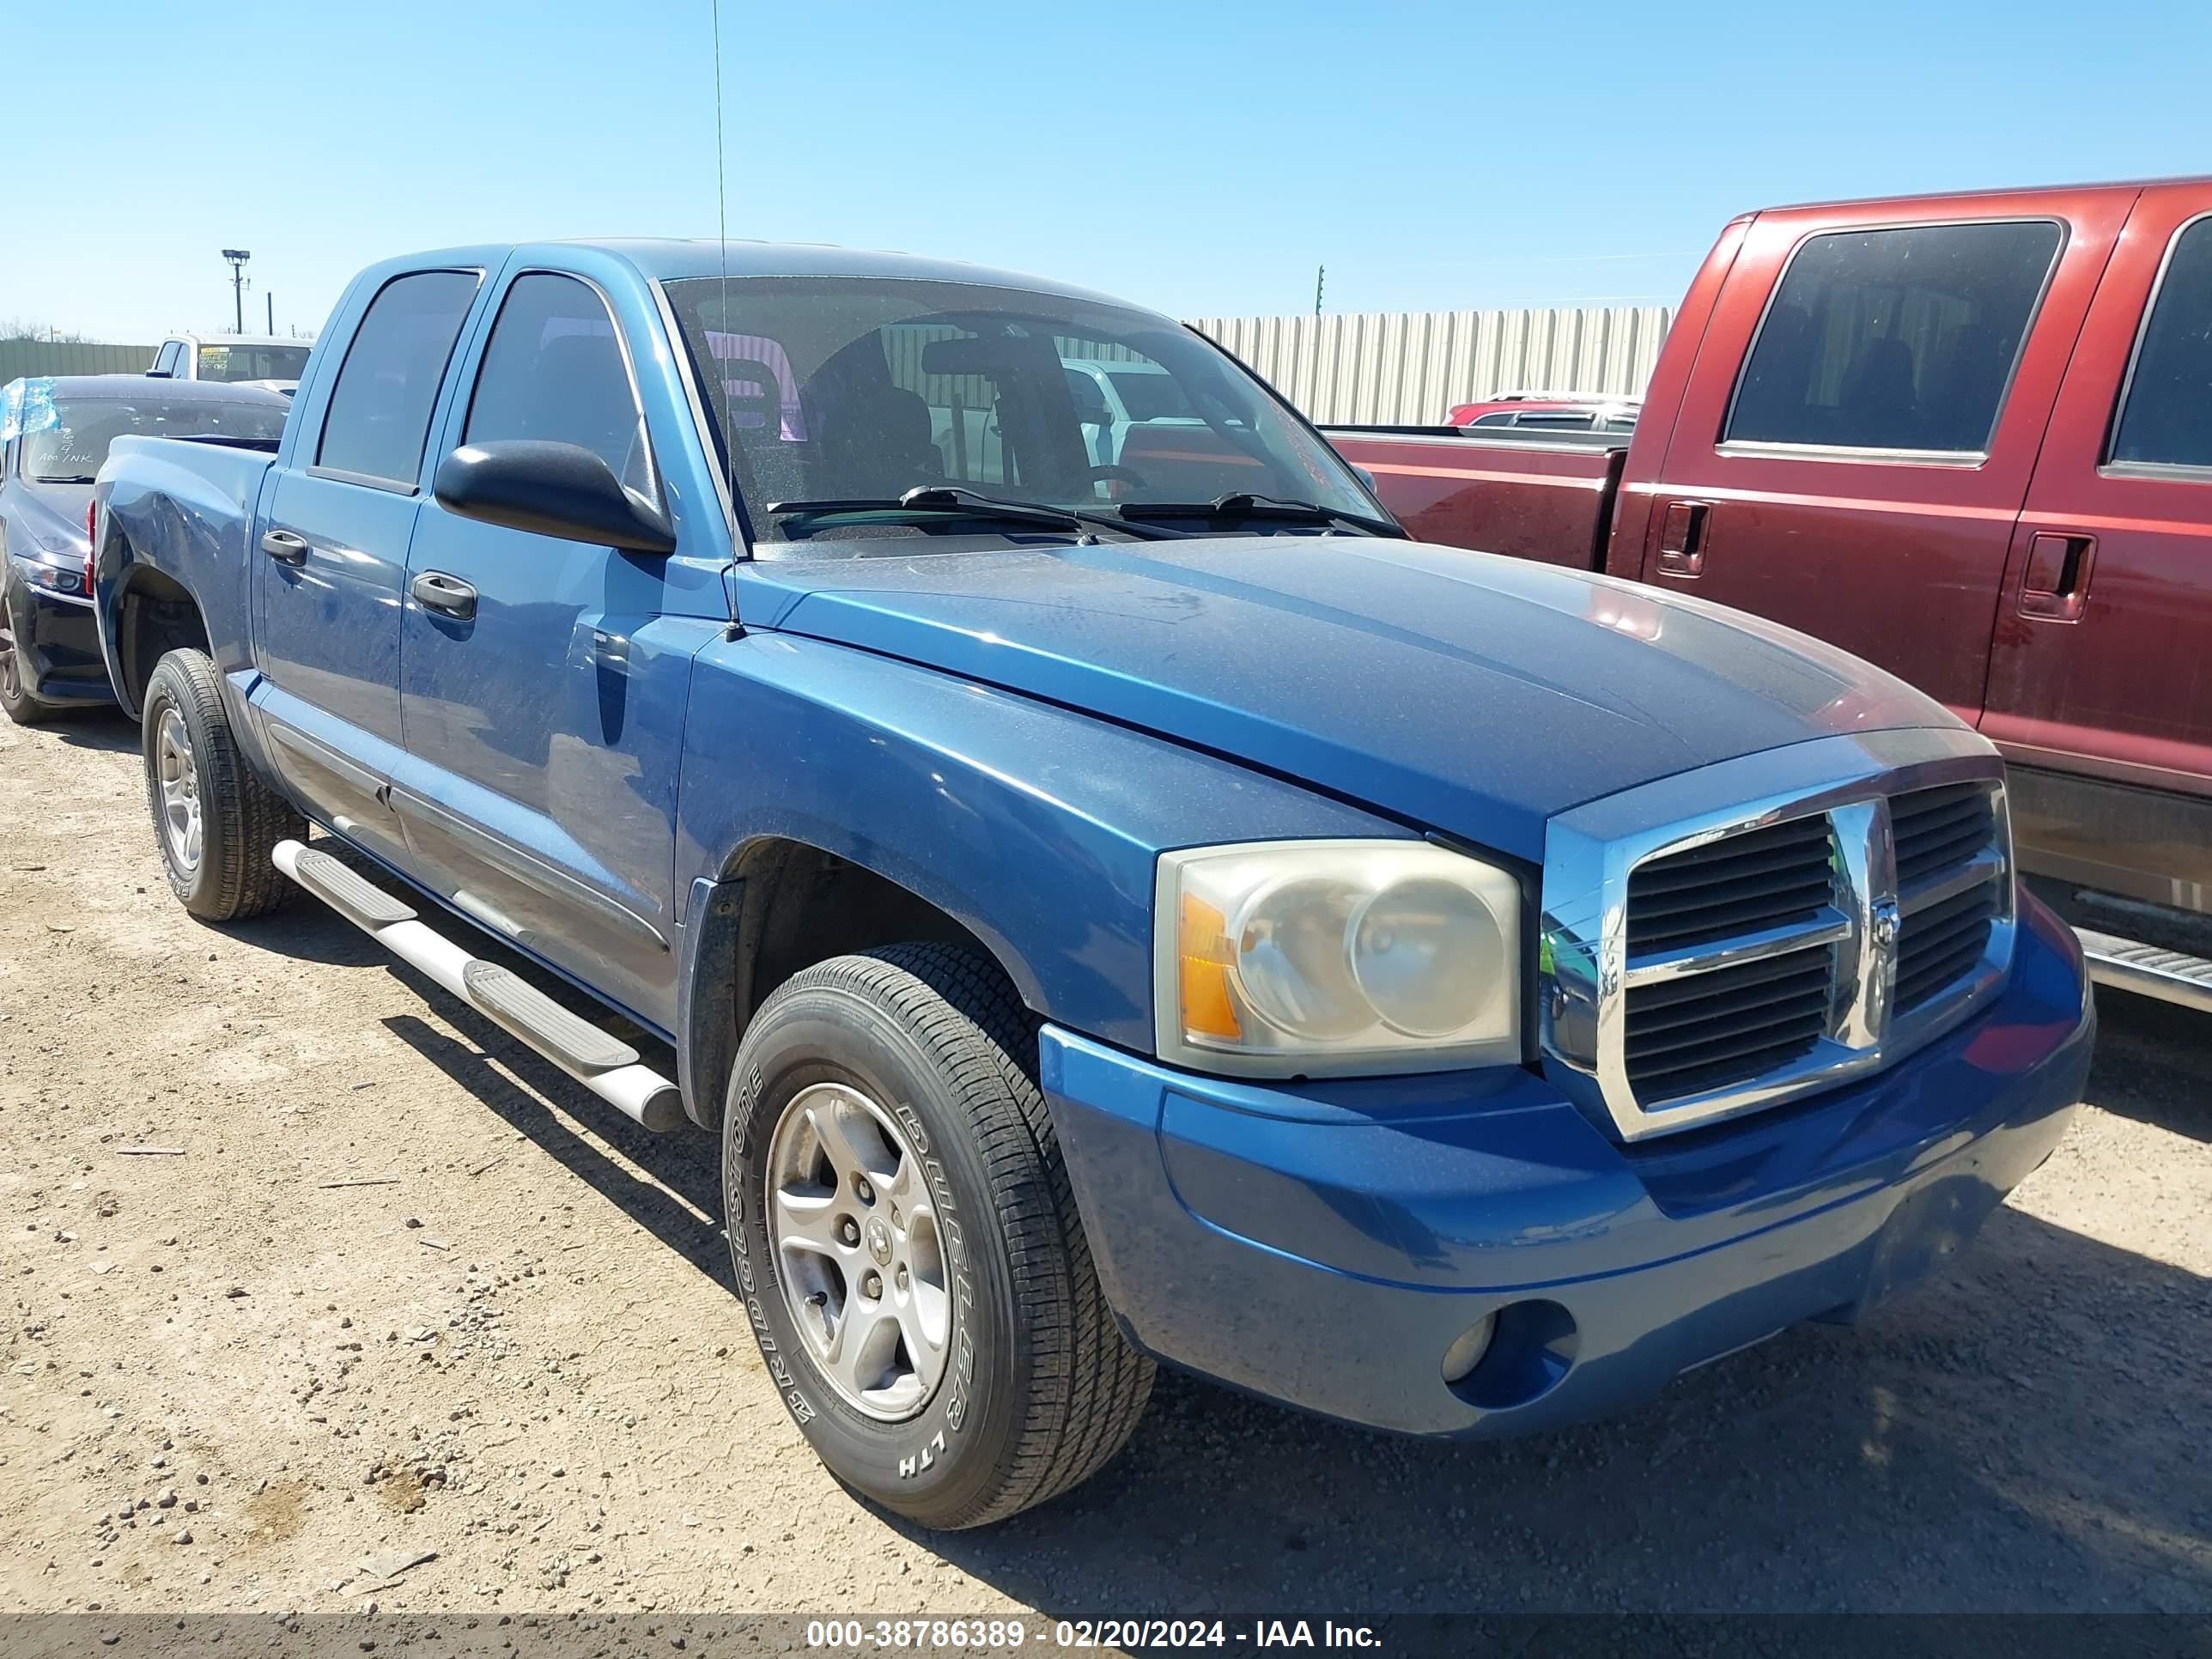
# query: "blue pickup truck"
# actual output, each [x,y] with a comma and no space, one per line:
[1113,913]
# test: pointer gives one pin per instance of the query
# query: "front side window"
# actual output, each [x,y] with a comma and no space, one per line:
[2166,419]
[235,363]
[849,388]
[379,409]
[553,371]
[73,448]
[165,363]
[1901,339]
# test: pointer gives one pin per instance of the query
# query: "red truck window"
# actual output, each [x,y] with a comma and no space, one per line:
[2166,410]
[1895,339]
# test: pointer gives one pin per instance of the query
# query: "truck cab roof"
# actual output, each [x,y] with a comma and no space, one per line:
[673,259]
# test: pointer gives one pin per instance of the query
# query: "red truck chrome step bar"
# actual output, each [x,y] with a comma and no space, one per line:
[2148,970]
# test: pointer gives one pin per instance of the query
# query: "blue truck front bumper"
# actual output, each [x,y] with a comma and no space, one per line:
[1325,1244]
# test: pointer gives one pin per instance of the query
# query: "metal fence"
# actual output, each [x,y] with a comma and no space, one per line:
[1408,367]
[26,357]
[1400,367]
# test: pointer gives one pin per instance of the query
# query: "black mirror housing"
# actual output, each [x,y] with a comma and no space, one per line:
[551,490]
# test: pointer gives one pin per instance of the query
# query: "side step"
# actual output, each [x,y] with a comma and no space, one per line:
[2169,976]
[609,1068]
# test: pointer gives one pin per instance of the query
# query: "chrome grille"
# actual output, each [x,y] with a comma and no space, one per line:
[1949,865]
[1687,1032]
[1765,878]
[1738,957]
[1699,1030]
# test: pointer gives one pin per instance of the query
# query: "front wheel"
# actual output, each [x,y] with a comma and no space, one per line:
[907,1244]
[214,821]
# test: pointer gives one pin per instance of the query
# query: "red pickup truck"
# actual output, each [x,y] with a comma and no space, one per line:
[1966,437]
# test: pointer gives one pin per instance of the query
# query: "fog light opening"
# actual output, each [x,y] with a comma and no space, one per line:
[1517,1354]
[1466,1353]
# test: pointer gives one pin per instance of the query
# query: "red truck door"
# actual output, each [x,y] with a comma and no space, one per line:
[2102,666]
[1857,434]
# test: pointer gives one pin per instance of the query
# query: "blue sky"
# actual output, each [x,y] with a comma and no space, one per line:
[1200,157]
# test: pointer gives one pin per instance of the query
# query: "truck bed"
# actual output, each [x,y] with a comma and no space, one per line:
[1548,498]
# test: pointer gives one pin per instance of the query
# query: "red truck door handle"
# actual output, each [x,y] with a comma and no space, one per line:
[2056,585]
[1682,538]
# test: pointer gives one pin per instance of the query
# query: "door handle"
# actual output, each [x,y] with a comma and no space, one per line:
[1682,538]
[2055,587]
[284,547]
[449,596]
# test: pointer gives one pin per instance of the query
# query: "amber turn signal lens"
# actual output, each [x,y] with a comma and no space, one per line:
[1202,947]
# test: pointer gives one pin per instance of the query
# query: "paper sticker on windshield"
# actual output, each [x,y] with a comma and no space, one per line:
[27,406]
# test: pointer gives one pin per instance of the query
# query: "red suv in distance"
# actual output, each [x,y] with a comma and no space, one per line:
[1550,411]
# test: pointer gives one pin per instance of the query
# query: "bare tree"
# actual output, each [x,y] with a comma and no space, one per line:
[14,328]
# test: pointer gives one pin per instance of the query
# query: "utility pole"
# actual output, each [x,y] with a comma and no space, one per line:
[237,257]
[269,295]
[1320,273]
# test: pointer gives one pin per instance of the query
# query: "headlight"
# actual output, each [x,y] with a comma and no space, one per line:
[1335,957]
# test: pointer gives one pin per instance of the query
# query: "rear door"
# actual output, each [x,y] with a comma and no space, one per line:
[332,553]
[2100,684]
[1857,435]
[543,707]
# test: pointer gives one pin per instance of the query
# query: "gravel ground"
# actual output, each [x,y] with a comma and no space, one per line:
[409,1321]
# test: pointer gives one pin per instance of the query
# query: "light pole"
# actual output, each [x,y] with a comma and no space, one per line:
[238,256]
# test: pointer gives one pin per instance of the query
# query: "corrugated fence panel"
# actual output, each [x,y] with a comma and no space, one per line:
[1408,367]
[1371,367]
[20,358]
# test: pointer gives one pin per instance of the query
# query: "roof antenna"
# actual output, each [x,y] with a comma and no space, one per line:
[722,225]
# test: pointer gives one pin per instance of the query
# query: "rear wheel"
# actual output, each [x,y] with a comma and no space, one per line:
[15,698]
[214,821]
[907,1244]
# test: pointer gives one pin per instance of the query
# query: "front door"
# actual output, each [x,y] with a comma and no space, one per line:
[332,555]
[2100,686]
[545,681]
[1858,479]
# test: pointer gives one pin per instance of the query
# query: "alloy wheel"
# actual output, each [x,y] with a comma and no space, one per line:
[181,791]
[860,1257]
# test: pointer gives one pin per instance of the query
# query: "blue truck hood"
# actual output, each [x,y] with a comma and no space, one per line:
[1456,690]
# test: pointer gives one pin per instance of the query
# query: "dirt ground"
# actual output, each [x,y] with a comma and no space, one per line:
[397,1317]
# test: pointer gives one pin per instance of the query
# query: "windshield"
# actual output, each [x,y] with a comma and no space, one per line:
[849,389]
[253,363]
[1152,397]
[71,450]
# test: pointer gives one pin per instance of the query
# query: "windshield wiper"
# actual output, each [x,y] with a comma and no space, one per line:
[958,501]
[1242,504]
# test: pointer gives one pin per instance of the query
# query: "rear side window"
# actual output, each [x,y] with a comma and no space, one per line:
[553,371]
[2165,413]
[1895,339]
[379,412]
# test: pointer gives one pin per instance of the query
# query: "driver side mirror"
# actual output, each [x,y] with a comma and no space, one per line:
[551,490]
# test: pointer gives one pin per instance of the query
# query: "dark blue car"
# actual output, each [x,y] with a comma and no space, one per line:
[54,434]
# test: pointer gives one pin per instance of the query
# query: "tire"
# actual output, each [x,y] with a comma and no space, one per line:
[15,698]
[1038,1387]
[224,873]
